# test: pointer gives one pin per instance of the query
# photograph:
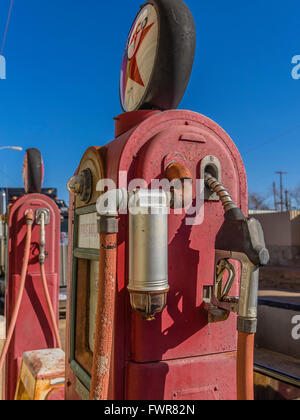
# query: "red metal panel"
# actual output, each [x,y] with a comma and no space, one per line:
[33,329]
[201,378]
[182,330]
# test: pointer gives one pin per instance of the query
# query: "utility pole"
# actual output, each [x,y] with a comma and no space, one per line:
[281,189]
[275,197]
[287,201]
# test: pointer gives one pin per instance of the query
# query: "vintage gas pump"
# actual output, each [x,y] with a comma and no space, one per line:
[32,278]
[146,218]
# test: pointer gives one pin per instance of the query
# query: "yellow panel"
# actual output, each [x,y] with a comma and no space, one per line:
[28,381]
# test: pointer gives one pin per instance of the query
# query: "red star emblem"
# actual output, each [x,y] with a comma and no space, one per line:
[133,72]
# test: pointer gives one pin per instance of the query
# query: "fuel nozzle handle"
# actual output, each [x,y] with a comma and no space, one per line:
[241,239]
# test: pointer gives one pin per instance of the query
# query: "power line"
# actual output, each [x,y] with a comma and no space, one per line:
[274,138]
[7,24]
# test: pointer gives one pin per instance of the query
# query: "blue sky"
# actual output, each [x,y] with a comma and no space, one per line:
[63,63]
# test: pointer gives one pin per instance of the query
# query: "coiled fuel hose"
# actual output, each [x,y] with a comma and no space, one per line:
[245,352]
[29,216]
[215,186]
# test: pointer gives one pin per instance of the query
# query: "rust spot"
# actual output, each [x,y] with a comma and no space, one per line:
[102,365]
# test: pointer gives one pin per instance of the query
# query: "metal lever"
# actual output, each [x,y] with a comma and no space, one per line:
[246,304]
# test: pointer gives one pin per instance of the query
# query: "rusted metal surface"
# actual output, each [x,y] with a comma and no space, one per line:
[177,170]
[181,180]
[42,376]
[45,364]
[105,317]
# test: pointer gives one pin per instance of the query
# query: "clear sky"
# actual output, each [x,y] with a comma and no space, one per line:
[63,63]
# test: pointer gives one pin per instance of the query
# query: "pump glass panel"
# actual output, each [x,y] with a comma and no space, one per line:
[88,237]
[84,292]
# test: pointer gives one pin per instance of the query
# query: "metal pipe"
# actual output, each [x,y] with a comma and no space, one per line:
[108,206]
[181,181]
[105,312]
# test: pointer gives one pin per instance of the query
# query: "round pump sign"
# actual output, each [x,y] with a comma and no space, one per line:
[158,57]
[139,59]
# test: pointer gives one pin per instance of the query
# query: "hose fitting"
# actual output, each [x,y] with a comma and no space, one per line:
[29,216]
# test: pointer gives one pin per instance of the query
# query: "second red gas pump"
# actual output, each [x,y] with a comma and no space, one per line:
[32,278]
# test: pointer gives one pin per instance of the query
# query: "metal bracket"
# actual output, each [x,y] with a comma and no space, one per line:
[108,225]
[215,314]
[38,216]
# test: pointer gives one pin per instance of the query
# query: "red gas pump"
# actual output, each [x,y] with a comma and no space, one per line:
[33,273]
[163,262]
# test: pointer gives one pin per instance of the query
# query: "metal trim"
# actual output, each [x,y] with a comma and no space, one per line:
[85,210]
[211,161]
[86,254]
[81,374]
[38,216]
[276,374]
[262,301]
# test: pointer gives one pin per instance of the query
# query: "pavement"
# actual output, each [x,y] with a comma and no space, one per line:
[280,278]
